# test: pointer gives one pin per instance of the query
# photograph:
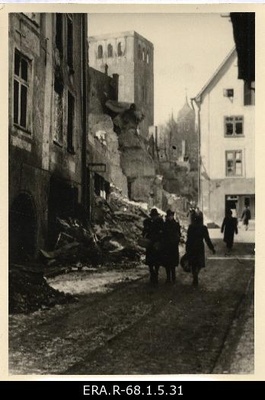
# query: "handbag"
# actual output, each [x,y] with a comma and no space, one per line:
[184,262]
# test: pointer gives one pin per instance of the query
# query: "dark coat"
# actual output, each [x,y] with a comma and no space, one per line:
[153,230]
[171,237]
[246,216]
[196,236]
[229,228]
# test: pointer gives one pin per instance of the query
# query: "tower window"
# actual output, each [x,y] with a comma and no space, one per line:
[143,55]
[139,52]
[147,57]
[100,51]
[110,50]
[119,49]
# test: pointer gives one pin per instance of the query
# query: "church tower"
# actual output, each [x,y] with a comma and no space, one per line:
[131,57]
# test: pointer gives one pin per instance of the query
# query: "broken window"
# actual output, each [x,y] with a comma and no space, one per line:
[21,90]
[100,51]
[70,56]
[234,126]
[58,112]
[70,123]
[110,50]
[234,163]
[59,33]
[101,186]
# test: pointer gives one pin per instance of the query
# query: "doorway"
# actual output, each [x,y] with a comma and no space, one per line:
[22,229]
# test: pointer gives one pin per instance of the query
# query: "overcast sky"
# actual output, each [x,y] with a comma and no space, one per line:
[188,48]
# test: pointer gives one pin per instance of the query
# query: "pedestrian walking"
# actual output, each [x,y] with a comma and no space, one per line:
[171,238]
[246,216]
[196,235]
[229,229]
[153,230]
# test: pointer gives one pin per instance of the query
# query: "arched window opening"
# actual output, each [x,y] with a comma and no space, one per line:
[147,57]
[119,49]
[100,51]
[110,50]
[143,55]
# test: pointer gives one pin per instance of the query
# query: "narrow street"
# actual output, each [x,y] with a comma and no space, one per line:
[121,325]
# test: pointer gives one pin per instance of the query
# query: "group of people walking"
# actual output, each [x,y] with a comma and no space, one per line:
[163,246]
[163,238]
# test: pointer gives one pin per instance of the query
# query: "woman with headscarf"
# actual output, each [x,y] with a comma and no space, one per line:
[196,235]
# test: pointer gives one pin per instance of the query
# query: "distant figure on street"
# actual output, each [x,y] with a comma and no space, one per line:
[229,228]
[171,238]
[153,230]
[246,216]
[196,235]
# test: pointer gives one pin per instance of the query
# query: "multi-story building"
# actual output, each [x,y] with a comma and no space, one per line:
[226,122]
[131,56]
[47,125]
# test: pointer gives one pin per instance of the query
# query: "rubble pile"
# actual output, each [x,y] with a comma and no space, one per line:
[75,245]
[118,226]
[29,290]
[112,238]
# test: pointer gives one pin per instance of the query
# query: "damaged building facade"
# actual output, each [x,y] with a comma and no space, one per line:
[47,127]
[124,60]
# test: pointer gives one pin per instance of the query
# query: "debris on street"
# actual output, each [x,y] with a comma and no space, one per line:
[29,290]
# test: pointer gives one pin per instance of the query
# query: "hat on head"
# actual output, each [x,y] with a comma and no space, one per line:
[153,212]
[169,212]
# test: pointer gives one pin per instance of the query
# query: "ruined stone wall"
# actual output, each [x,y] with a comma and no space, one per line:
[103,148]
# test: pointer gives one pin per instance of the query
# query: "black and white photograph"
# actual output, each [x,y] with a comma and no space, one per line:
[131,191]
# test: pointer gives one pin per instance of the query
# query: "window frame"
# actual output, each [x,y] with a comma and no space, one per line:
[21,82]
[234,119]
[234,158]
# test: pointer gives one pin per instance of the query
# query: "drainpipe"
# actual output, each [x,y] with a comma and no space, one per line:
[84,68]
[197,102]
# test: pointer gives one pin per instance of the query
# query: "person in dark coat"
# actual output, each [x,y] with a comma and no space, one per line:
[229,228]
[171,238]
[246,216]
[196,235]
[153,230]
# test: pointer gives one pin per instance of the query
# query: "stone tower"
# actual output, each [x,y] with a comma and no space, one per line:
[131,56]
